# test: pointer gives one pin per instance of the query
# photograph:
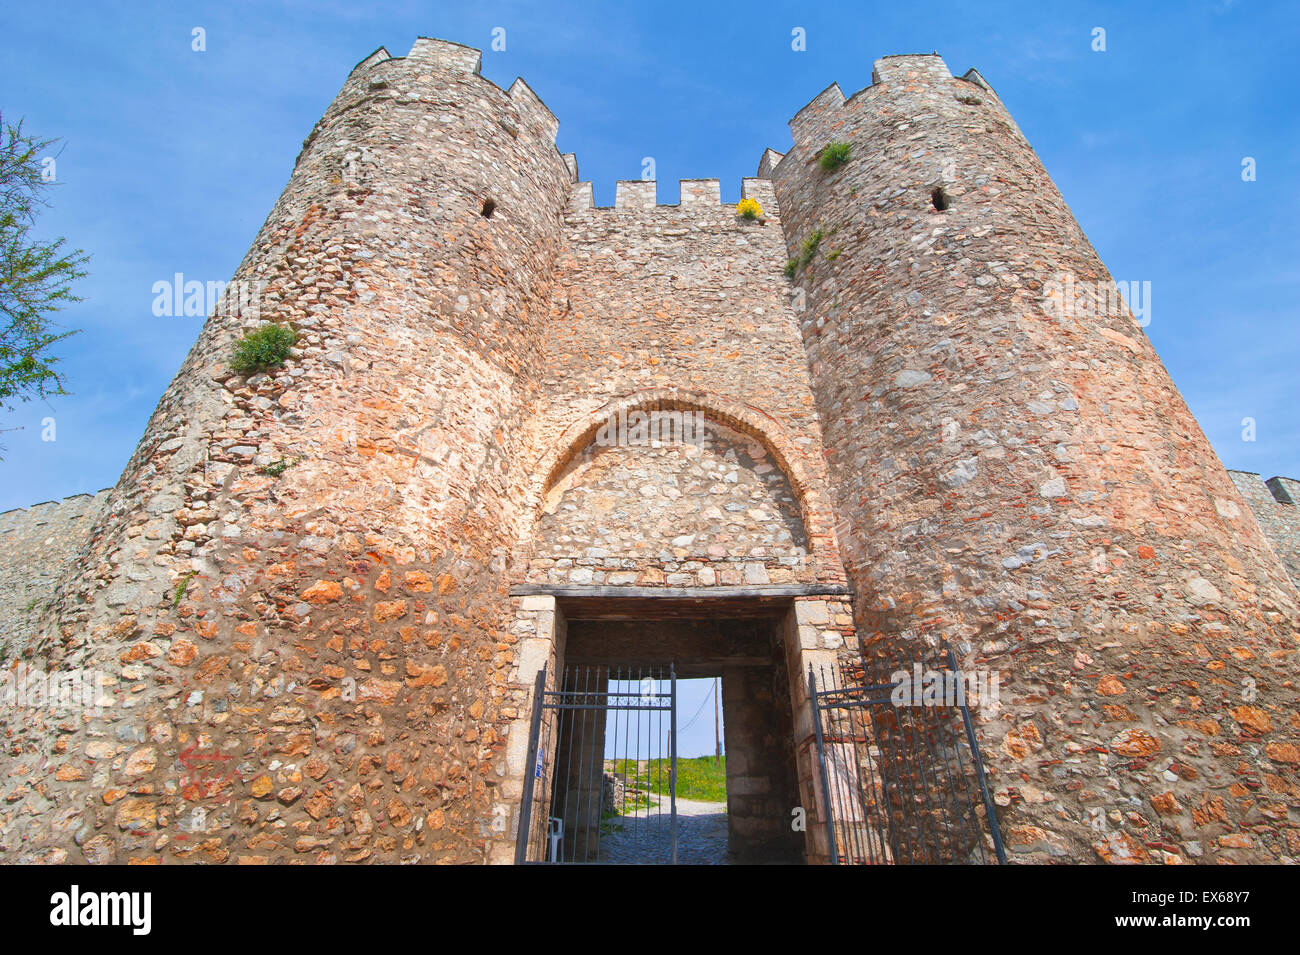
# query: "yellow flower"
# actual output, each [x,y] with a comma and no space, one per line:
[749,209]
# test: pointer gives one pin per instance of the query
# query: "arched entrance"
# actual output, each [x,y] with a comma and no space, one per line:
[673,542]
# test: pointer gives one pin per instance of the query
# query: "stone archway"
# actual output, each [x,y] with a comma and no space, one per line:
[714,509]
[642,545]
[743,422]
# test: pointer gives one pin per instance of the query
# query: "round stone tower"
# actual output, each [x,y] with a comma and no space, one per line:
[1015,471]
[294,605]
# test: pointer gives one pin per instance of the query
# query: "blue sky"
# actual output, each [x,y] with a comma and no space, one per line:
[632,735]
[172,158]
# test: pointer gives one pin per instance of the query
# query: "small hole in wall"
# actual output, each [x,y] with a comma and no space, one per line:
[489,207]
[939,199]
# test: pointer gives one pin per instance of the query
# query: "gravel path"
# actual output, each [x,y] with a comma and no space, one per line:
[645,839]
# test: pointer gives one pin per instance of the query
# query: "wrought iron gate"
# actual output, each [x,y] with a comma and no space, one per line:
[900,782]
[602,758]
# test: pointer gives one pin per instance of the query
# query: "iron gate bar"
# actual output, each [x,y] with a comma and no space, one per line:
[926,795]
[903,750]
[862,837]
[576,715]
[672,746]
[989,809]
[921,811]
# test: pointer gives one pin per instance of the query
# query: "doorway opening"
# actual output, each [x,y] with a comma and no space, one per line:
[664,783]
[631,764]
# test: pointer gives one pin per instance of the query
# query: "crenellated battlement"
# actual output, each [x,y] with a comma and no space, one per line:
[378,74]
[827,113]
[1276,506]
[375,75]
[446,55]
[633,195]
[378,56]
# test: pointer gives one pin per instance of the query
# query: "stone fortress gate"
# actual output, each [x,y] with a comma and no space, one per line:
[923,426]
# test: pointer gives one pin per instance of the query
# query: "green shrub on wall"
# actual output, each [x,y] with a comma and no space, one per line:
[263,348]
[834,155]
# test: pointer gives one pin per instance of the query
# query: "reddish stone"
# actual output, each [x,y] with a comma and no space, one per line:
[389,610]
[1136,743]
[182,652]
[1120,848]
[417,675]
[319,804]
[1282,752]
[141,651]
[1110,685]
[1252,719]
[418,582]
[1166,805]
[323,592]
[384,692]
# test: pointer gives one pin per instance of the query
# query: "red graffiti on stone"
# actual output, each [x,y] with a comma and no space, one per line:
[203,777]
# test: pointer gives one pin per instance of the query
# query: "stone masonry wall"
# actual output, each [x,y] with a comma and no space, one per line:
[762,789]
[1276,505]
[679,307]
[675,513]
[1017,471]
[38,545]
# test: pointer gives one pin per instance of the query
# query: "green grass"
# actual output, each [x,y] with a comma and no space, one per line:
[697,778]
[181,588]
[700,779]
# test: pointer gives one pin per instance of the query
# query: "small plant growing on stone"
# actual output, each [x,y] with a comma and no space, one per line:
[807,250]
[749,209]
[810,244]
[835,154]
[181,588]
[276,468]
[263,348]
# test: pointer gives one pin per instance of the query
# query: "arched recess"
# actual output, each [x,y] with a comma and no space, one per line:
[738,416]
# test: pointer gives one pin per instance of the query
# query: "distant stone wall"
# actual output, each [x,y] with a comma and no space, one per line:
[1276,504]
[37,544]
